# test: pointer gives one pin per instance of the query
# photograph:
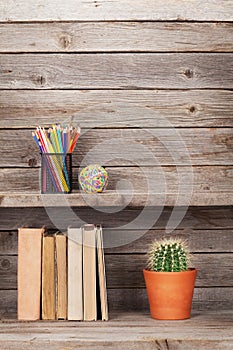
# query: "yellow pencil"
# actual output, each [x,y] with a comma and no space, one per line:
[56,139]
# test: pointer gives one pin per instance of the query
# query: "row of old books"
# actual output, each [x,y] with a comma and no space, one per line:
[62,276]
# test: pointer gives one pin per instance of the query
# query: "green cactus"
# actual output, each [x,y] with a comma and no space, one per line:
[168,255]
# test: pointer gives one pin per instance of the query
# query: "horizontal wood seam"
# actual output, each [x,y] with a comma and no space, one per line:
[120,89]
[113,52]
[9,22]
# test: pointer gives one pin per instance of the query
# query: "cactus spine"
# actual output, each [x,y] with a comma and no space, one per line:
[168,255]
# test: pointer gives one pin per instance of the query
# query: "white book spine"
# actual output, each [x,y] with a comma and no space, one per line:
[75,278]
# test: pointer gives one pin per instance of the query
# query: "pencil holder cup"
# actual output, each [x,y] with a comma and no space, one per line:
[56,173]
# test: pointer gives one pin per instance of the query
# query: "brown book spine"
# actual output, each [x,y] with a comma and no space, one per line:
[48,278]
[61,276]
[29,273]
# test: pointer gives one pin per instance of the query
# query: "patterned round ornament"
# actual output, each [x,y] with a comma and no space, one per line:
[93,178]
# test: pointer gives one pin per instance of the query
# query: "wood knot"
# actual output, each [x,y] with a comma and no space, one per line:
[65,41]
[189,73]
[39,79]
[206,188]
[32,162]
[5,263]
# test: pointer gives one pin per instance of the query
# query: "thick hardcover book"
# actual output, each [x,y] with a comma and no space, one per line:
[29,273]
[75,278]
[61,276]
[48,278]
[101,273]
[89,272]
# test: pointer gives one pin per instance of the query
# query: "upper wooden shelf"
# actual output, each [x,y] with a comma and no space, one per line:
[112,199]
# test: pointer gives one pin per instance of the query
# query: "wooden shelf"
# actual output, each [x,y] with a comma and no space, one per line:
[204,330]
[111,199]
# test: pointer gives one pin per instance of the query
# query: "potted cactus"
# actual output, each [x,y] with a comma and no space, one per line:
[169,279]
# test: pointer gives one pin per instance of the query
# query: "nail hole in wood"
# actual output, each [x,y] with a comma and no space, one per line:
[192,109]
[188,73]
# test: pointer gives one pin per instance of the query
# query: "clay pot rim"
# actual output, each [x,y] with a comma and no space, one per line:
[167,273]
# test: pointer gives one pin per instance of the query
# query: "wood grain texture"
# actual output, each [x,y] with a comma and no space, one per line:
[127,147]
[137,241]
[224,316]
[135,300]
[111,199]
[201,241]
[9,243]
[8,272]
[125,270]
[8,305]
[117,66]
[195,218]
[116,36]
[205,330]
[116,10]
[116,108]
[148,186]
[148,342]
[117,71]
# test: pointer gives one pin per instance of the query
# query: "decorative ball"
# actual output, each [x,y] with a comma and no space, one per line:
[93,178]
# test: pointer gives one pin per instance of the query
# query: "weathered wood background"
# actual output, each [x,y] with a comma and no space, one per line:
[142,79]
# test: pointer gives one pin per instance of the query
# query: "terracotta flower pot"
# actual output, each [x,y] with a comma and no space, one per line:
[170,293]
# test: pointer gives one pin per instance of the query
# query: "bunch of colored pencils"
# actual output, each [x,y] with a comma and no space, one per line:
[56,145]
[57,139]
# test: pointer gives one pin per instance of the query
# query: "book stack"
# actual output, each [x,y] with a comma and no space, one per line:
[62,276]
[86,283]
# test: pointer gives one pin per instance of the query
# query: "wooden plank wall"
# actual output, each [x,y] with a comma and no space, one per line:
[127,69]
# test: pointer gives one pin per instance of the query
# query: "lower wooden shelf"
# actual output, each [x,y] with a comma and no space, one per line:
[204,330]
